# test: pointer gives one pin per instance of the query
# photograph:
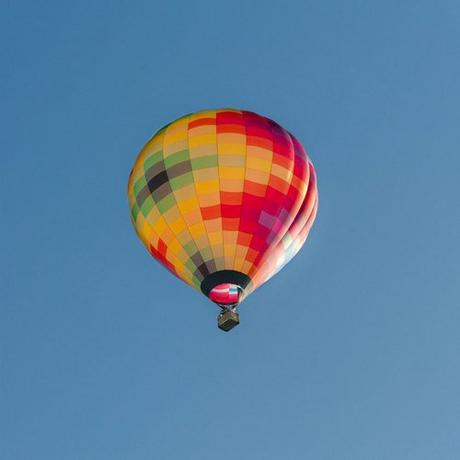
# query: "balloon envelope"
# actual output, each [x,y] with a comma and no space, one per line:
[223,199]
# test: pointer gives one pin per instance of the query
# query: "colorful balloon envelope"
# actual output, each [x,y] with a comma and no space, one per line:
[223,199]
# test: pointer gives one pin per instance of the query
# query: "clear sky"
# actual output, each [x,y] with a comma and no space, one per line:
[352,352]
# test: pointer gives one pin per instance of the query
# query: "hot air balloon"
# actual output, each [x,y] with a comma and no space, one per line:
[223,199]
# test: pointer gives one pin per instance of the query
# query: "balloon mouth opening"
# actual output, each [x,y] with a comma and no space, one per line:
[225,287]
[226,295]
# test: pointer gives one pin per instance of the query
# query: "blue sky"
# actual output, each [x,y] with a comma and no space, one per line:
[351,352]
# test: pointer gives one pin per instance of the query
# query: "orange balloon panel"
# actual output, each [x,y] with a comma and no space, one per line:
[223,199]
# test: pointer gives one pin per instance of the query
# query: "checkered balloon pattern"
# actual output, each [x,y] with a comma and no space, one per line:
[223,199]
